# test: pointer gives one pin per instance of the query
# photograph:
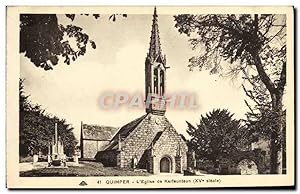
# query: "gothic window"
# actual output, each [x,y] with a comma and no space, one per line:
[156,81]
[162,83]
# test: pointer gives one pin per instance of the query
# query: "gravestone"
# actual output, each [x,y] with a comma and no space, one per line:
[35,158]
[76,159]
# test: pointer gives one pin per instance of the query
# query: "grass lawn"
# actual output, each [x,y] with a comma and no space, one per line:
[88,168]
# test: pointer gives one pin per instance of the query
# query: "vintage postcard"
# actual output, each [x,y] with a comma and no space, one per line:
[150,97]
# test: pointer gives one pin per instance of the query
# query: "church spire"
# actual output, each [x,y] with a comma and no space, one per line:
[154,50]
[155,73]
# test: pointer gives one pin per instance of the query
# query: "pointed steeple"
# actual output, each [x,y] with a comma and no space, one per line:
[154,50]
[155,73]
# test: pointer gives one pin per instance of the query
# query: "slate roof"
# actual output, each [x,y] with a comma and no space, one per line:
[129,127]
[124,132]
[126,129]
[97,132]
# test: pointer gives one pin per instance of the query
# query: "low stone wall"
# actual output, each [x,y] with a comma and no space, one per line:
[107,158]
[229,164]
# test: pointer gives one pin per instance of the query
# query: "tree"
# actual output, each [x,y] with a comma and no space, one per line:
[217,135]
[24,106]
[253,45]
[36,128]
[43,39]
[261,119]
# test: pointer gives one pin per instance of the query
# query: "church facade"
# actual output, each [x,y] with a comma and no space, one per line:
[150,141]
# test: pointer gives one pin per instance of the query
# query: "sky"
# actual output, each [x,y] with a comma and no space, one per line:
[117,65]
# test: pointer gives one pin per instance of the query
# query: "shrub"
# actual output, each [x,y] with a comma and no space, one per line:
[26,159]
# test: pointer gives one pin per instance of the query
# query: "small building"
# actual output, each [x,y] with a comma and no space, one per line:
[94,138]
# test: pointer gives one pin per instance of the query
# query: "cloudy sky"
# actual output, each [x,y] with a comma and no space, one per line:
[117,64]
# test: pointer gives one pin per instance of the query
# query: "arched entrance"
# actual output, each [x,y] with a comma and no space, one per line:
[165,165]
[247,167]
[257,157]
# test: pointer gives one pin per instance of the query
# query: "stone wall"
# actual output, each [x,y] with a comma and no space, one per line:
[247,167]
[191,160]
[178,164]
[141,137]
[263,145]
[168,145]
[91,147]
[108,158]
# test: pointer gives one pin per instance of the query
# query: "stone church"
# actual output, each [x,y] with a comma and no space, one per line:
[150,141]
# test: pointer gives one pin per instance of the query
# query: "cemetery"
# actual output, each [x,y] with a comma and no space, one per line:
[56,163]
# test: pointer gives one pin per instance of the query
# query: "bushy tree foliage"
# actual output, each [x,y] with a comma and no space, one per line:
[262,120]
[43,39]
[36,128]
[217,135]
[260,117]
[251,45]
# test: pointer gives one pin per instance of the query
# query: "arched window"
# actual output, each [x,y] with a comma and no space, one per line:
[156,81]
[162,83]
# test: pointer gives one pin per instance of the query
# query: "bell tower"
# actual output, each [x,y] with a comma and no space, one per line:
[155,73]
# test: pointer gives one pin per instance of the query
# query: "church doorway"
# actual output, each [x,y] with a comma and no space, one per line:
[165,165]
